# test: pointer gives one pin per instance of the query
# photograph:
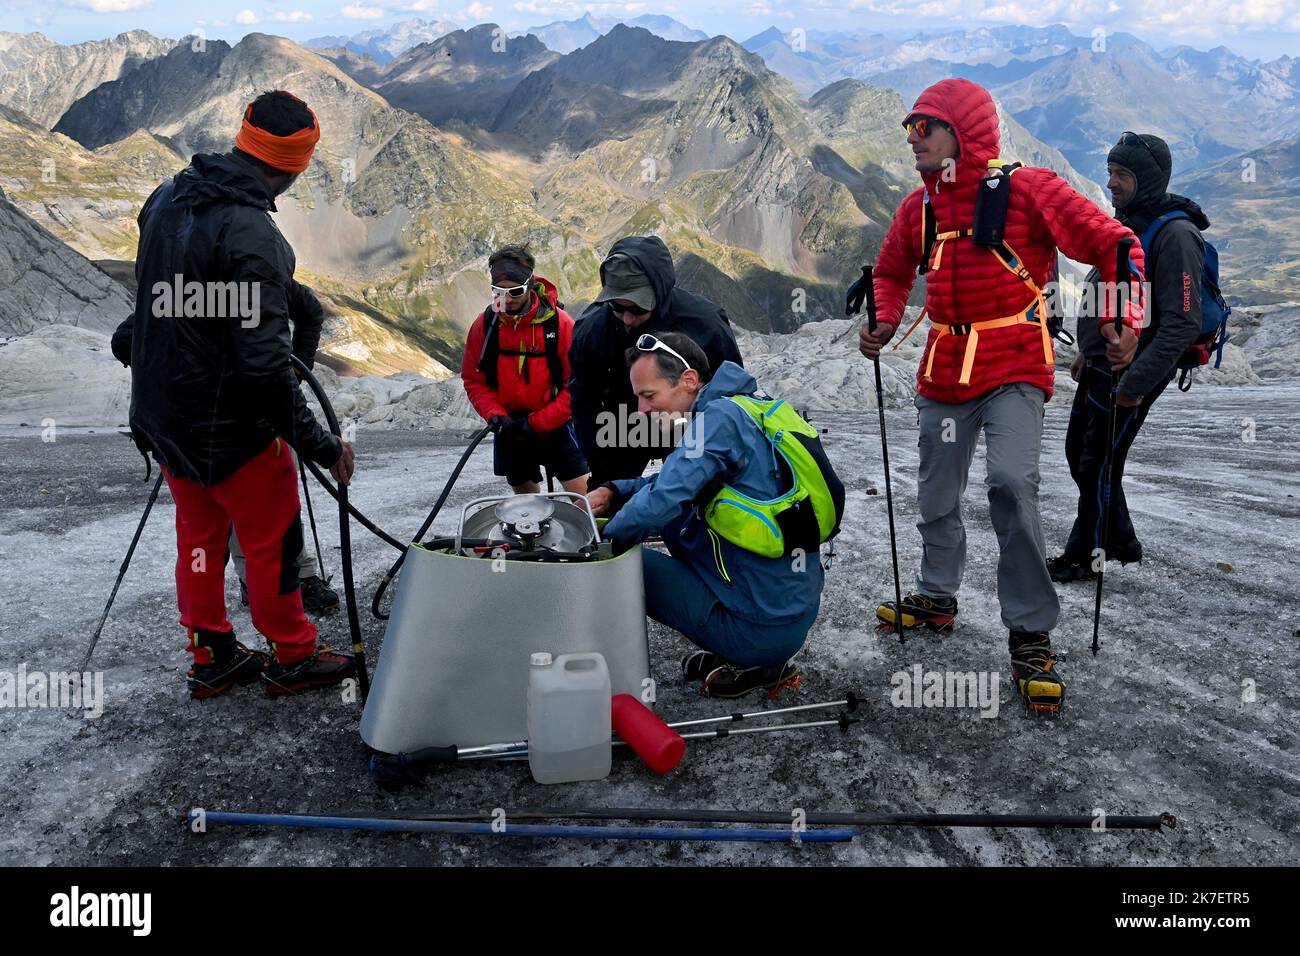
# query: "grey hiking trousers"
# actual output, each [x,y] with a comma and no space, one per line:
[1012,420]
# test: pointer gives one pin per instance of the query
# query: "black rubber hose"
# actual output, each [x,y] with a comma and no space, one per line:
[442,499]
[345,535]
[362,520]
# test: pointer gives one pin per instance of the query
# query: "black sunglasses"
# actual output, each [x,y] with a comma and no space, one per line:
[627,309]
[1129,138]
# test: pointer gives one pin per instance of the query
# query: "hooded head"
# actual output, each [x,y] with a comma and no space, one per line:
[1146,157]
[969,110]
[639,269]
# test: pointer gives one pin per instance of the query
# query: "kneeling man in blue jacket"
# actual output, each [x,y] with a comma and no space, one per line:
[750,614]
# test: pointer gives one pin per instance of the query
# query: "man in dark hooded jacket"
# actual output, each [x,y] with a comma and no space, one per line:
[215,400]
[307,317]
[1139,167]
[639,294]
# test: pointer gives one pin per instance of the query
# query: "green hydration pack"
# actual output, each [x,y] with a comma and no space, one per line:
[805,515]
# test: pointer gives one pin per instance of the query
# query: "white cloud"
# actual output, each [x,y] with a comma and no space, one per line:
[475,11]
[292,16]
[108,6]
[246,17]
[357,11]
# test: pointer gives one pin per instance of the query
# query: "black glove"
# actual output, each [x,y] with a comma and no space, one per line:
[857,292]
[519,429]
[499,423]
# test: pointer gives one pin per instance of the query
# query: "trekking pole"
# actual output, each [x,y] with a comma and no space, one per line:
[126,562]
[786,834]
[843,721]
[884,454]
[1122,278]
[1035,821]
[311,517]
[394,770]
[850,703]
[422,759]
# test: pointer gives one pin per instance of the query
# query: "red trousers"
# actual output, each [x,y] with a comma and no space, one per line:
[261,500]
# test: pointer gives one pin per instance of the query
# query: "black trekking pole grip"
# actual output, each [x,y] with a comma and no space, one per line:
[345,534]
[868,275]
[1123,278]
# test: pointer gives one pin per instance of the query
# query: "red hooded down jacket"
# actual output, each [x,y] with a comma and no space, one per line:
[521,387]
[970,283]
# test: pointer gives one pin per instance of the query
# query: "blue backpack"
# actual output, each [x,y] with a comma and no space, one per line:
[1214,310]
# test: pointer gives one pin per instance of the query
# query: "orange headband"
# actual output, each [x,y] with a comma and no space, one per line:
[290,154]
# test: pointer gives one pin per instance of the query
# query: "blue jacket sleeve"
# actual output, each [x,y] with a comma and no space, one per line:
[709,448]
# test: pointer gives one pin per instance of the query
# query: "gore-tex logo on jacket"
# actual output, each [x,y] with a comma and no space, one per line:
[1187,292]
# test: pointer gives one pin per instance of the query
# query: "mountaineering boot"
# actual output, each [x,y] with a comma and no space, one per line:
[1033,671]
[232,663]
[729,681]
[937,614]
[317,596]
[697,664]
[324,668]
[1064,569]
[1130,553]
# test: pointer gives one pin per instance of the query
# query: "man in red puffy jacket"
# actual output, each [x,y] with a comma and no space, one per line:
[516,372]
[988,362]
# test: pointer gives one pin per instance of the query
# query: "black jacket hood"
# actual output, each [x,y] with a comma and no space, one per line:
[650,253]
[213,177]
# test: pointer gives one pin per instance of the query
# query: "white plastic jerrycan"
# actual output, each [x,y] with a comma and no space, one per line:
[568,717]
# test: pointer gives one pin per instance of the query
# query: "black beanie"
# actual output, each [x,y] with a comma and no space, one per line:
[1151,164]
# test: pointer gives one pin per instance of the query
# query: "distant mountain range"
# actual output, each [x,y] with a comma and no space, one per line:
[384,45]
[561,36]
[43,78]
[1075,93]
[772,169]
[565,36]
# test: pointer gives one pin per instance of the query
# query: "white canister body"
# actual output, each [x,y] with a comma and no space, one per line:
[568,718]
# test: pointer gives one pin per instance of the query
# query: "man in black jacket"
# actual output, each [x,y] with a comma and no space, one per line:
[639,295]
[306,316]
[215,400]
[1139,167]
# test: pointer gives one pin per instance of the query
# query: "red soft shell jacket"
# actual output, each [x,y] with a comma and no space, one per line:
[971,284]
[523,384]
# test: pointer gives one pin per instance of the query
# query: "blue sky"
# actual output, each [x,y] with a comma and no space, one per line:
[1264,28]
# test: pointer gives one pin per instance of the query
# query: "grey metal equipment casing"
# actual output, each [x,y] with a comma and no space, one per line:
[453,670]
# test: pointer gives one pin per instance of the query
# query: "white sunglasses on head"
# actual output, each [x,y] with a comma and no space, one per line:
[648,343]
